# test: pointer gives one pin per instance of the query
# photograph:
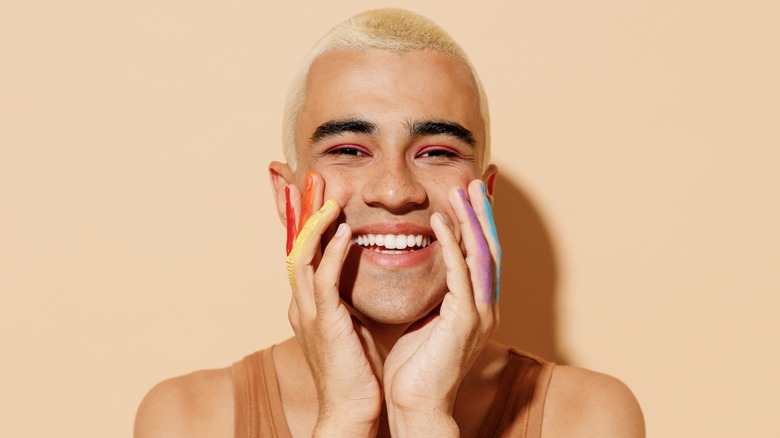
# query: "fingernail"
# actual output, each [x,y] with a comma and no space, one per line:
[341,230]
[310,179]
[326,207]
[444,219]
[463,196]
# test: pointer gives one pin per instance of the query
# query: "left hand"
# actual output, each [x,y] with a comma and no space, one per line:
[332,341]
[423,371]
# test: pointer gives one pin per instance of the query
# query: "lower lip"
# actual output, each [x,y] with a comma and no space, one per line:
[396,261]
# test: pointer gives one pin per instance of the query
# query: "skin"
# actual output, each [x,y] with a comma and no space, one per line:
[393,185]
[377,351]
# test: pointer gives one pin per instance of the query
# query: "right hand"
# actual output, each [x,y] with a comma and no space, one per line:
[333,341]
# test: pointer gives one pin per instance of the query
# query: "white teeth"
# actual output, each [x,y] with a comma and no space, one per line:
[392,243]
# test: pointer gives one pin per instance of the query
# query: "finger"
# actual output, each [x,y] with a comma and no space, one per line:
[292,210]
[290,214]
[326,279]
[483,208]
[308,241]
[478,256]
[457,278]
[312,197]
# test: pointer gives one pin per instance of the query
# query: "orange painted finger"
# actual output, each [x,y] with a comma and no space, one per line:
[312,197]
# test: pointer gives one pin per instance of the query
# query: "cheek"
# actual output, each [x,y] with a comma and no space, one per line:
[439,201]
[339,186]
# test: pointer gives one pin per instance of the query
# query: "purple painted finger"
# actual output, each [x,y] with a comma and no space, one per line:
[484,272]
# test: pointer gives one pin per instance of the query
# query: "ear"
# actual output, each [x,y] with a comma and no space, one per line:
[281,176]
[489,177]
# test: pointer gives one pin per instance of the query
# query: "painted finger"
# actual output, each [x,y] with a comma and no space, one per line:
[483,208]
[308,240]
[478,256]
[312,197]
[293,204]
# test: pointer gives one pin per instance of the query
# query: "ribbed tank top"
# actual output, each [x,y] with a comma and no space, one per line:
[517,410]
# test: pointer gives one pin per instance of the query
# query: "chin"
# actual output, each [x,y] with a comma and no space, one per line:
[392,305]
[396,295]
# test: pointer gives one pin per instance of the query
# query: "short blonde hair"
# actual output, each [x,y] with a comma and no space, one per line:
[391,29]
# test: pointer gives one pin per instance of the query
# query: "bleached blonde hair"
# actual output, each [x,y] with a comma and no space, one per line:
[394,30]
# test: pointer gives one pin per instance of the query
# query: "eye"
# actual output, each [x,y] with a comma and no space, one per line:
[438,153]
[348,150]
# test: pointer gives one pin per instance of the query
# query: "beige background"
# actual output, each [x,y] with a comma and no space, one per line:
[639,145]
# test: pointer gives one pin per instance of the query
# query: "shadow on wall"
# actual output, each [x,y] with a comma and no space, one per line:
[529,275]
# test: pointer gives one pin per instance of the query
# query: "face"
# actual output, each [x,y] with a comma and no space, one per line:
[391,134]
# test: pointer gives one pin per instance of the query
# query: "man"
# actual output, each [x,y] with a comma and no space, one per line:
[394,267]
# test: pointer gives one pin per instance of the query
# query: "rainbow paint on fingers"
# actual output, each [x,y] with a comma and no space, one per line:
[307,206]
[494,235]
[313,228]
[484,271]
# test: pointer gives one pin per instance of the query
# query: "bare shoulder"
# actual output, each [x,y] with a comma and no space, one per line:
[193,405]
[585,403]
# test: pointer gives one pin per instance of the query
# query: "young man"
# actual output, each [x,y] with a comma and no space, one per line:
[394,267]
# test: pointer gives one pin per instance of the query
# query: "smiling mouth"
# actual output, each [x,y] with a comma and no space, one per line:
[393,243]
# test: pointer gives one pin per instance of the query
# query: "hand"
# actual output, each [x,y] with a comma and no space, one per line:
[333,341]
[423,371]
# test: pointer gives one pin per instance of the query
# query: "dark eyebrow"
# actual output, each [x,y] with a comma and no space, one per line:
[433,127]
[336,127]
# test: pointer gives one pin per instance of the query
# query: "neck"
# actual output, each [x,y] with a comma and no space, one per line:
[385,336]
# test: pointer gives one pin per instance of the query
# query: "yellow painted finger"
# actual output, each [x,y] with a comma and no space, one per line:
[305,244]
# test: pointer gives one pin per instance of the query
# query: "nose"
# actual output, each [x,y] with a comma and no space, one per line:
[394,186]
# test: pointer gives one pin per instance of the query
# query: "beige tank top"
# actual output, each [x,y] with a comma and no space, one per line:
[517,410]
